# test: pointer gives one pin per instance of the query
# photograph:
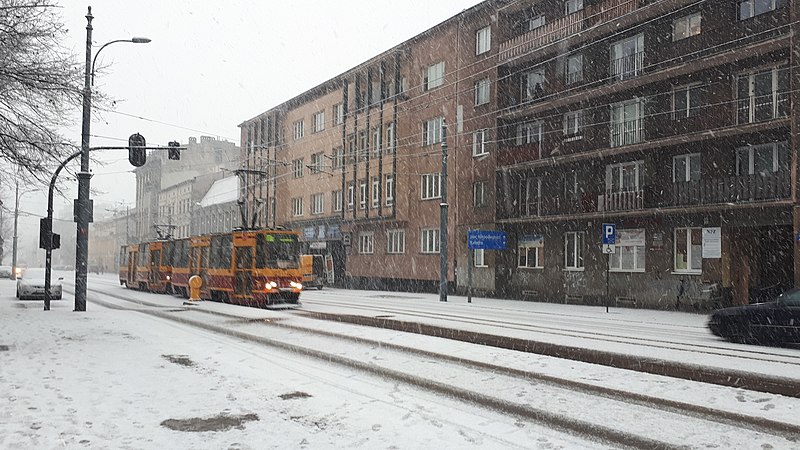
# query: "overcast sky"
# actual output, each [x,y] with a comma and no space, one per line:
[213,64]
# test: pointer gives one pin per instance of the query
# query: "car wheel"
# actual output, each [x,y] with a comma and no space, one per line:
[741,332]
[18,293]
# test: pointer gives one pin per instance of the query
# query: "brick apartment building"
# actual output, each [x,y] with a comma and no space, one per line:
[673,119]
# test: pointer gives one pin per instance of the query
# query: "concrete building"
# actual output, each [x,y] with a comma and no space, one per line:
[178,202]
[207,156]
[674,120]
[218,211]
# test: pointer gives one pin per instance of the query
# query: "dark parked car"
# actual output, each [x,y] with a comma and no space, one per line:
[776,322]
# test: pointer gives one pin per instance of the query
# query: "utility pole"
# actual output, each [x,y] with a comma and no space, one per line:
[14,244]
[443,224]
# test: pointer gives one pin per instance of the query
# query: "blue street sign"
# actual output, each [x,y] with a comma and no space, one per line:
[486,240]
[609,233]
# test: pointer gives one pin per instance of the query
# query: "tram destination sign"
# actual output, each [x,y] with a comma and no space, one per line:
[486,240]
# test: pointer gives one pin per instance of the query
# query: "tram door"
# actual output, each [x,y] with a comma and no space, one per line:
[132,258]
[244,275]
[155,260]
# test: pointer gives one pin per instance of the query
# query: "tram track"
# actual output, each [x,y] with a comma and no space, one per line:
[527,411]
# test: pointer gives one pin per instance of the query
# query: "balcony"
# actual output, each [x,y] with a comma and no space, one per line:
[734,189]
[627,67]
[620,201]
[627,132]
[606,11]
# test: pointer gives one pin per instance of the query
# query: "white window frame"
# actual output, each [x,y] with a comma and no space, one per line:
[299,129]
[687,160]
[482,91]
[751,102]
[479,142]
[430,186]
[622,59]
[620,170]
[297,168]
[572,6]
[573,125]
[635,251]
[390,141]
[750,150]
[690,250]
[319,121]
[483,40]
[434,76]
[479,258]
[317,162]
[685,93]
[630,130]
[747,8]
[338,158]
[366,243]
[432,131]
[687,26]
[362,195]
[575,241]
[396,242]
[297,206]
[429,243]
[351,196]
[377,134]
[338,114]
[536,22]
[529,133]
[317,203]
[529,82]
[480,197]
[530,197]
[336,199]
[389,190]
[533,254]
[572,77]
[376,195]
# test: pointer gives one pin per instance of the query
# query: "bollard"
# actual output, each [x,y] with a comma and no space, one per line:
[195,283]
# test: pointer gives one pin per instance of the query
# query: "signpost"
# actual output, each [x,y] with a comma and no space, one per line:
[609,237]
[482,240]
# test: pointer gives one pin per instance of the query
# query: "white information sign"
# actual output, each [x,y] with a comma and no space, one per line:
[609,249]
[712,243]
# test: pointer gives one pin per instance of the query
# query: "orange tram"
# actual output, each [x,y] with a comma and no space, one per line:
[248,267]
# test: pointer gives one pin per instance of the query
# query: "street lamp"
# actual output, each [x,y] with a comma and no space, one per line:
[83,204]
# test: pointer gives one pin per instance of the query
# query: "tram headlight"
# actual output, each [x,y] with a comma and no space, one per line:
[168,277]
[296,285]
[270,285]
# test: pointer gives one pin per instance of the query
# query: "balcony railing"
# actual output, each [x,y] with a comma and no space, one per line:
[627,67]
[620,201]
[734,189]
[626,133]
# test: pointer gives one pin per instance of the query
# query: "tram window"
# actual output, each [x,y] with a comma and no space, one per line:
[221,250]
[277,251]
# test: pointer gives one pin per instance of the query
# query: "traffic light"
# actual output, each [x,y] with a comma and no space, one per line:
[55,241]
[174,153]
[45,230]
[137,154]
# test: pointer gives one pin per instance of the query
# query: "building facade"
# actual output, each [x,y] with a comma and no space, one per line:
[673,120]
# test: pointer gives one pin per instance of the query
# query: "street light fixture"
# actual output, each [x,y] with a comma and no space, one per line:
[83,205]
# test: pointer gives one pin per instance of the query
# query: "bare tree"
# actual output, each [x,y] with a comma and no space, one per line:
[40,89]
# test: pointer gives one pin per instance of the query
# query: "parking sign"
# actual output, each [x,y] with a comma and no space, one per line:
[609,233]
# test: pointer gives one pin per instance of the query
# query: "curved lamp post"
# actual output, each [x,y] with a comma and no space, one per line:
[83,205]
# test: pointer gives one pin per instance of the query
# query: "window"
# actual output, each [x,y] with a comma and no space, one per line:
[571,190]
[530,250]
[686,168]
[483,40]
[366,243]
[396,242]
[338,158]
[533,84]
[573,125]
[317,204]
[390,141]
[434,76]
[299,130]
[336,200]
[572,6]
[376,141]
[536,22]
[362,195]
[297,207]
[376,93]
[686,101]
[479,143]
[389,190]
[317,162]
[627,57]
[762,95]
[529,133]
[623,177]
[573,250]
[430,241]
[376,194]
[752,8]
[364,144]
[432,131]
[627,124]
[686,26]
[479,194]
[688,250]
[431,186]
[319,121]
[482,92]
[763,159]
[479,257]
[351,196]
[297,168]
[530,194]
[574,69]
[630,251]
[338,114]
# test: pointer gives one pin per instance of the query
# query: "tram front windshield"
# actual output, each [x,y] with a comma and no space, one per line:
[278,251]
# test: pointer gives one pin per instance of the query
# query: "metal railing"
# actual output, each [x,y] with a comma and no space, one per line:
[733,189]
[627,132]
[620,201]
[627,66]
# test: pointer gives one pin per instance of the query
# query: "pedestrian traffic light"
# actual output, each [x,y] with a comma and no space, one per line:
[174,153]
[55,241]
[45,230]
[137,153]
